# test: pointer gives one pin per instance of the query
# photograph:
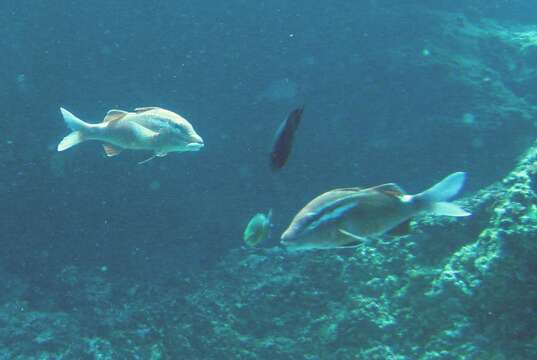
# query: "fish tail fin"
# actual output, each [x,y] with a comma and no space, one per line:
[74,138]
[448,209]
[73,122]
[435,198]
[78,128]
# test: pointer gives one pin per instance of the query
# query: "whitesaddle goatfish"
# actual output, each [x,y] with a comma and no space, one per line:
[149,128]
[351,216]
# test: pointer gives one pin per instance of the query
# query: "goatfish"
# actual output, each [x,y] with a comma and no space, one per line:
[350,217]
[148,128]
[283,141]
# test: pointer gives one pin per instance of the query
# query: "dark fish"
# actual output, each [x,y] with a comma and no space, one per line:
[349,217]
[283,141]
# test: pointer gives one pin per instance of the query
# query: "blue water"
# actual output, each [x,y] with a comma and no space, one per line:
[234,69]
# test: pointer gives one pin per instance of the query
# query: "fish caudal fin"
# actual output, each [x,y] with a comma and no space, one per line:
[448,209]
[72,121]
[70,140]
[77,126]
[435,198]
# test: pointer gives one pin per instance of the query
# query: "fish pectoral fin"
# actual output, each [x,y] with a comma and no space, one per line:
[111,150]
[354,240]
[352,244]
[143,131]
[448,209]
[143,109]
[400,230]
[113,115]
[161,154]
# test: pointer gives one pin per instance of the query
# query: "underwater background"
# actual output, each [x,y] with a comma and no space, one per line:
[107,259]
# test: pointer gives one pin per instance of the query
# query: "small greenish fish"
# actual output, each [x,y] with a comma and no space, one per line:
[349,217]
[150,128]
[258,229]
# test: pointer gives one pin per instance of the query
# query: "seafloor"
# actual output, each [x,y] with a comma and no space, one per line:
[455,289]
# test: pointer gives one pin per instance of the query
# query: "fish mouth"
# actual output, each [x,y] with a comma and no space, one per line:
[196,145]
[285,240]
[293,243]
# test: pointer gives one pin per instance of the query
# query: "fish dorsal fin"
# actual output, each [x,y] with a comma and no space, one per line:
[111,150]
[113,115]
[269,216]
[349,189]
[335,194]
[400,230]
[143,109]
[390,189]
